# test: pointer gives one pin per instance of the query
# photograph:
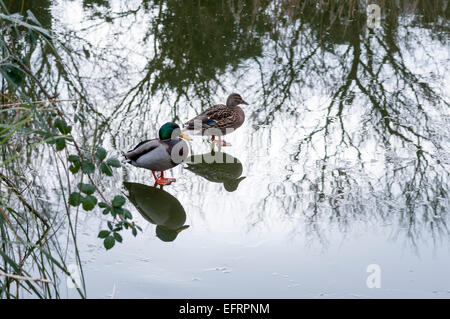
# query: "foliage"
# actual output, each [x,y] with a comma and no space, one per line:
[32,120]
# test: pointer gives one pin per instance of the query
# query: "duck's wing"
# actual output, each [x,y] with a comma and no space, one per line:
[142,148]
[216,116]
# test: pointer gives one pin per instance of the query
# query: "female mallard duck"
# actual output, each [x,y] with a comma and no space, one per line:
[161,153]
[219,119]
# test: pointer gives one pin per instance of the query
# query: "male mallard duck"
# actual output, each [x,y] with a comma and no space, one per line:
[158,207]
[161,153]
[219,119]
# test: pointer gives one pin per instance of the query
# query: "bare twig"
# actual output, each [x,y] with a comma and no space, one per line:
[24,202]
[17,277]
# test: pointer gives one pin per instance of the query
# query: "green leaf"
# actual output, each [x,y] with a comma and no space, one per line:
[12,73]
[100,154]
[127,214]
[60,144]
[102,205]
[105,169]
[89,202]
[59,124]
[78,117]
[118,201]
[109,242]
[86,188]
[107,210]
[74,158]
[62,126]
[75,199]
[103,233]
[74,168]
[110,225]
[114,162]
[134,232]
[118,237]
[87,167]
[116,211]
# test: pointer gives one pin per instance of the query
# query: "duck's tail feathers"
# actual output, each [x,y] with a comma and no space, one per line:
[127,160]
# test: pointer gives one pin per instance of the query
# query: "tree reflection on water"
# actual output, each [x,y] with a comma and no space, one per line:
[364,111]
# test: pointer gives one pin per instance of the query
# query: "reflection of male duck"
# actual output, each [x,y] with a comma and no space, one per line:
[158,207]
[217,167]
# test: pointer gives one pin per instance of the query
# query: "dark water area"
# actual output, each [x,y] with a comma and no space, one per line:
[342,162]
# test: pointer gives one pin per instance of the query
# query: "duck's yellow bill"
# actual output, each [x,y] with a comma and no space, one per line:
[185,136]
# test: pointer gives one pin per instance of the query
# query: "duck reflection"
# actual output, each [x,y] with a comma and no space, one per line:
[158,207]
[217,167]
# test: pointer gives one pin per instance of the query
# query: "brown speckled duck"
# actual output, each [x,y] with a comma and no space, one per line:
[219,119]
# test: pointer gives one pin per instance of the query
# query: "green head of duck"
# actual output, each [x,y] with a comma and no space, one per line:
[171,130]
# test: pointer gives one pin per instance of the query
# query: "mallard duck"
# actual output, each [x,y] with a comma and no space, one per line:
[217,167]
[219,119]
[161,153]
[158,207]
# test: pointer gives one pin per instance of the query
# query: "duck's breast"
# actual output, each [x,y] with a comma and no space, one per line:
[178,149]
[240,118]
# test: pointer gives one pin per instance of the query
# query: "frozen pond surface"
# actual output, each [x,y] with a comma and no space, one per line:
[345,148]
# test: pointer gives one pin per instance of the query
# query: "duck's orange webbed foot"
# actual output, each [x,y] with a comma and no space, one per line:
[220,142]
[163,180]
[223,143]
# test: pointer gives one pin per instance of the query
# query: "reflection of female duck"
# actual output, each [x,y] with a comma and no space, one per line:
[217,167]
[158,207]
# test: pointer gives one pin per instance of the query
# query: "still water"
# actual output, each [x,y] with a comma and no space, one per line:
[342,162]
